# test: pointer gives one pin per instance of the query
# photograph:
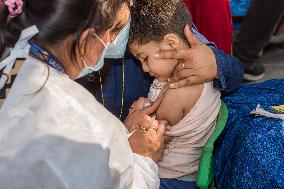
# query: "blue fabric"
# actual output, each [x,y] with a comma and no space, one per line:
[45,56]
[250,151]
[176,184]
[239,7]
[201,37]
[230,72]
[137,84]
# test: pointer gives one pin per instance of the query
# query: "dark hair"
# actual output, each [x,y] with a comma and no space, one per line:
[153,19]
[127,2]
[56,20]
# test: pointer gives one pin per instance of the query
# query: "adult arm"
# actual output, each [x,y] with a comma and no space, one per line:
[147,169]
[147,140]
[203,62]
[230,72]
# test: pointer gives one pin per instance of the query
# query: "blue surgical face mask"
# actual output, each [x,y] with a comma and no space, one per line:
[117,48]
[89,69]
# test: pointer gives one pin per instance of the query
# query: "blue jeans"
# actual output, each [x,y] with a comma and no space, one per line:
[176,184]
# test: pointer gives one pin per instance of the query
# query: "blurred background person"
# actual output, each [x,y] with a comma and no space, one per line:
[255,33]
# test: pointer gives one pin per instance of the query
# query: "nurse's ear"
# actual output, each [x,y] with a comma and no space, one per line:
[91,46]
[83,40]
[169,42]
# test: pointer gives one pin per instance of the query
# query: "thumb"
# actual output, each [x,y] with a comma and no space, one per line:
[152,108]
[161,129]
[191,39]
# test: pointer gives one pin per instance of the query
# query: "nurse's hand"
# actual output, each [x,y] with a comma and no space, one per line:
[197,64]
[149,142]
[149,135]
[140,110]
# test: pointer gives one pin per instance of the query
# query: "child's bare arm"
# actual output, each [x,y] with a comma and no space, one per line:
[178,102]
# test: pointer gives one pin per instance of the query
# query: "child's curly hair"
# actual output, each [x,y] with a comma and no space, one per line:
[153,19]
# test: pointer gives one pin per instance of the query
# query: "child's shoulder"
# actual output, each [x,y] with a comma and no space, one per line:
[184,93]
[177,102]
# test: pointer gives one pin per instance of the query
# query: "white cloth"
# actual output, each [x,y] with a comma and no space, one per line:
[55,135]
[258,111]
[20,50]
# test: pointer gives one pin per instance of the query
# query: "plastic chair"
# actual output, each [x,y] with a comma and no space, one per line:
[205,173]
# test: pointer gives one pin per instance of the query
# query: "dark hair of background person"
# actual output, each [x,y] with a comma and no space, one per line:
[56,20]
[153,19]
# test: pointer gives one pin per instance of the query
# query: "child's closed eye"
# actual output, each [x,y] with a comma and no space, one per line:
[145,59]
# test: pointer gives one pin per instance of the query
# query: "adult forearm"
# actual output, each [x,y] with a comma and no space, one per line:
[230,72]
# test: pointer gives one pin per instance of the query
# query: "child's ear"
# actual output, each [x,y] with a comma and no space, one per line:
[170,41]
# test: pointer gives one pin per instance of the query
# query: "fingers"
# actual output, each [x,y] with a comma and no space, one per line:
[191,39]
[133,105]
[163,122]
[139,104]
[163,91]
[161,129]
[147,122]
[157,136]
[130,111]
[152,108]
[176,54]
[182,74]
[185,82]
[183,65]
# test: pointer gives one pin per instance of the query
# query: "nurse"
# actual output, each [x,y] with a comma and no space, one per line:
[53,133]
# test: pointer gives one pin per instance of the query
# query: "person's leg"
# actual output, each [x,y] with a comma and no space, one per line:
[176,184]
[255,33]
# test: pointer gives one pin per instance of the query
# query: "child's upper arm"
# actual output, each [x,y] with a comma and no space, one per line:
[178,102]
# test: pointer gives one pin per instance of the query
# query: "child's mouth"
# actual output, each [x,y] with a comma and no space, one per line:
[154,75]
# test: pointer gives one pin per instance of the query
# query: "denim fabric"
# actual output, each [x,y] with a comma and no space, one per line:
[230,72]
[176,184]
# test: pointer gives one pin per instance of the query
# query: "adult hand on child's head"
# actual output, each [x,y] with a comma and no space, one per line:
[197,64]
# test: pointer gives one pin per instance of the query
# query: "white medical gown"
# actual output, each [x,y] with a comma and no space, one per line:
[55,135]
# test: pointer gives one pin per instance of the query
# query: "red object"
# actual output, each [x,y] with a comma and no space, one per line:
[213,20]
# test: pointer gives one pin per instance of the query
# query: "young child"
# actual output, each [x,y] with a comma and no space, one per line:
[191,111]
